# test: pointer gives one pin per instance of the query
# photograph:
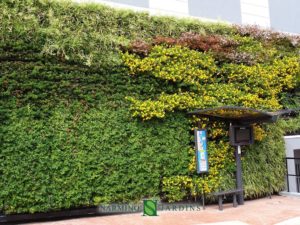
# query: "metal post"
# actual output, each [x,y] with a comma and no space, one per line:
[203,195]
[220,202]
[239,175]
[287,174]
[269,181]
[202,191]
[234,200]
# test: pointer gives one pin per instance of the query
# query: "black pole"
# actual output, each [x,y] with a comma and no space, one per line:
[239,175]
[203,195]
[287,174]
[202,175]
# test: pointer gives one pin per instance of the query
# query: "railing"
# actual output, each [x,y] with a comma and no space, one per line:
[296,168]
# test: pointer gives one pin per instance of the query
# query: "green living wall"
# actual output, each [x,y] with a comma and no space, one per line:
[91,111]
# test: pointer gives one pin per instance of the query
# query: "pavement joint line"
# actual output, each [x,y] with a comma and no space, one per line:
[235,222]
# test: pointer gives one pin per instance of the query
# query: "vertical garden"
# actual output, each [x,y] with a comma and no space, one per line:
[94,102]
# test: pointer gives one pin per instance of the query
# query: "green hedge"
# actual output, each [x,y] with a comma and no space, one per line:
[70,139]
[67,137]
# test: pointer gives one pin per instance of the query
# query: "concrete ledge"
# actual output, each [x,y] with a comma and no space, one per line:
[292,194]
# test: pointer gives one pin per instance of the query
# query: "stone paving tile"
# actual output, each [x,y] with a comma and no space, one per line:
[263,211]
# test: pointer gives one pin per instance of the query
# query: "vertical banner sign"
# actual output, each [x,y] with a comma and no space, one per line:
[201,151]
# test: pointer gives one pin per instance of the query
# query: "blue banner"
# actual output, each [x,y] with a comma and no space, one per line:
[201,151]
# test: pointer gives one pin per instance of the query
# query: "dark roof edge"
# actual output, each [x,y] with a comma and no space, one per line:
[231,107]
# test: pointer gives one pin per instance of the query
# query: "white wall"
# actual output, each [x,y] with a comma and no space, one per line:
[169,7]
[292,143]
[285,15]
[219,10]
[255,12]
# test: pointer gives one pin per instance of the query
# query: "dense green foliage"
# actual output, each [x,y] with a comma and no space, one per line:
[67,135]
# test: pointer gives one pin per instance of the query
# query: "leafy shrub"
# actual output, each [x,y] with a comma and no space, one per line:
[67,135]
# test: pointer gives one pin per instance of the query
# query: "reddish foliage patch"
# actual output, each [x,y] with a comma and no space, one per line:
[214,43]
[205,43]
[268,35]
[198,42]
[138,47]
[164,40]
[223,49]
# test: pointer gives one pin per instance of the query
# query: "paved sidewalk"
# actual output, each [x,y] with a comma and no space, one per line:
[263,211]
